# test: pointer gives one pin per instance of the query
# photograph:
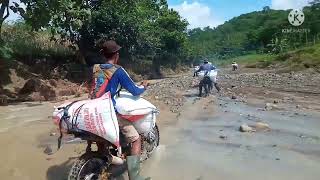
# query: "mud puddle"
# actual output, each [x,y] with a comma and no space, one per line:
[16,115]
[212,147]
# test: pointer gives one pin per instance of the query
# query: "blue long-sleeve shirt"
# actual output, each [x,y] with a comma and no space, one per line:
[206,67]
[120,77]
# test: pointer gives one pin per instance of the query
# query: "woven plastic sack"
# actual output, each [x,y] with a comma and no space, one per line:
[96,116]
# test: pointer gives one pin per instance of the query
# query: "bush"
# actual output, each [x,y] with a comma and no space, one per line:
[23,43]
[5,52]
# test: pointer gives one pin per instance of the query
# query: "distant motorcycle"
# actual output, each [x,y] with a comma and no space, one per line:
[110,151]
[234,66]
[207,80]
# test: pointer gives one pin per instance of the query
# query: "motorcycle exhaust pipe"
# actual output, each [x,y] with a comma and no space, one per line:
[116,160]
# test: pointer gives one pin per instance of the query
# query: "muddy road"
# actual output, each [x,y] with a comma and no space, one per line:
[200,137]
[206,143]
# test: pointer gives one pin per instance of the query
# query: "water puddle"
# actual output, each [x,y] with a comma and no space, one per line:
[16,115]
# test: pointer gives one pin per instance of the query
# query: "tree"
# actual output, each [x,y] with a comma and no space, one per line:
[4,12]
[64,17]
[141,27]
[266,9]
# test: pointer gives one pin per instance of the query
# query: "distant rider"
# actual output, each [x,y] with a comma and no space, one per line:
[234,66]
[108,77]
[206,67]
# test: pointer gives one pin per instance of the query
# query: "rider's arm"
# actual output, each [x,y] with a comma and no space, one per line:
[127,83]
[200,69]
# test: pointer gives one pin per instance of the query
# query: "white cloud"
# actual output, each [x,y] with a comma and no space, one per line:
[289,4]
[197,14]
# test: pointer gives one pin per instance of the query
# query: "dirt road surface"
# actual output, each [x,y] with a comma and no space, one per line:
[200,137]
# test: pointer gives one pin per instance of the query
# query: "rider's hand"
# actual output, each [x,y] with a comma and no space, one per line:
[145,83]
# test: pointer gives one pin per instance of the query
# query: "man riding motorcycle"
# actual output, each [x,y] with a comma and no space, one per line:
[206,67]
[108,77]
[234,66]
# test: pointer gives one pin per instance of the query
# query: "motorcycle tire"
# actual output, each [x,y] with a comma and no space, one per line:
[98,164]
[147,147]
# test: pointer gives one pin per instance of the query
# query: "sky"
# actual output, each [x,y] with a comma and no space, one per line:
[203,13]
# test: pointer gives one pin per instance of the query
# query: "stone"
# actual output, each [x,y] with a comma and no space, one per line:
[53,82]
[3,100]
[48,150]
[223,137]
[261,126]
[270,106]
[246,128]
[302,136]
[233,97]
[47,92]
[32,85]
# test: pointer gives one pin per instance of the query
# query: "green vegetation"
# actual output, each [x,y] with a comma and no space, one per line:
[22,43]
[146,29]
[256,33]
[296,60]
[152,35]
[308,57]
[247,59]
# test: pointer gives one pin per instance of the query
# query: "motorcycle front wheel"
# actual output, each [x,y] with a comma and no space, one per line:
[150,143]
[90,166]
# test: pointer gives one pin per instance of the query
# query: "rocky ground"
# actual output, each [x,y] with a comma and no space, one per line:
[303,88]
[261,125]
[278,114]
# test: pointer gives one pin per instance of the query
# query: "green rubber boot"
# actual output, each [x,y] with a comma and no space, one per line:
[133,163]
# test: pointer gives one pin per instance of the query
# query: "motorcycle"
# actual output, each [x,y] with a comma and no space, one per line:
[234,66]
[207,80]
[107,160]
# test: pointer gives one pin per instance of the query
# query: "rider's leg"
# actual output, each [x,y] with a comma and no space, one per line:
[132,136]
[200,88]
[204,83]
[136,147]
[210,83]
[217,87]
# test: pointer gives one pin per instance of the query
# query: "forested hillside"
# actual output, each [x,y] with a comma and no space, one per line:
[264,31]
[151,34]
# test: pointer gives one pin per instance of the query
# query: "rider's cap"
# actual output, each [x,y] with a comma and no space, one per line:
[205,60]
[110,47]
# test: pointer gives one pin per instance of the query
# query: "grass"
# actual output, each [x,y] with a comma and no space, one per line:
[26,44]
[304,58]
[247,59]
[296,60]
